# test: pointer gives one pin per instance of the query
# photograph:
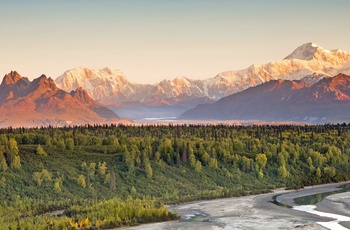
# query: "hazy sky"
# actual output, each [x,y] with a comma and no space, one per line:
[150,40]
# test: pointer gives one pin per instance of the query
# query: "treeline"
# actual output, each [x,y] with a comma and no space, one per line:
[75,168]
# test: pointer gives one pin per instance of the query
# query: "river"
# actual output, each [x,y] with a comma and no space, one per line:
[332,202]
[254,212]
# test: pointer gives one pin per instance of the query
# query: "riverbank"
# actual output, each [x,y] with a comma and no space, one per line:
[250,212]
[337,204]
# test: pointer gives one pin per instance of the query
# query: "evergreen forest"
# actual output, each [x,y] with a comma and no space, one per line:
[109,176]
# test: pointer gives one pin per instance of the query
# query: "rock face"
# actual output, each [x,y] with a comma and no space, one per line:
[283,100]
[308,62]
[41,102]
[81,95]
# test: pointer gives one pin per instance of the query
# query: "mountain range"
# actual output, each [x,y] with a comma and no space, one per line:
[283,100]
[110,87]
[41,103]
[299,87]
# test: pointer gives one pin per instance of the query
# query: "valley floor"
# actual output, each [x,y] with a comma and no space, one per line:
[251,212]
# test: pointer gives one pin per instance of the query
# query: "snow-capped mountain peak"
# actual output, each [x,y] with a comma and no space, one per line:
[182,81]
[107,84]
[312,52]
[111,71]
[308,62]
[306,51]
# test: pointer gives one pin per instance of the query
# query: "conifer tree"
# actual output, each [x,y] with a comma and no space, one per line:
[40,151]
[2,182]
[3,164]
[13,157]
[81,181]
[102,168]
[148,169]
[113,184]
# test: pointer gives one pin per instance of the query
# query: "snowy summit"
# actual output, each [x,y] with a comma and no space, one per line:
[305,51]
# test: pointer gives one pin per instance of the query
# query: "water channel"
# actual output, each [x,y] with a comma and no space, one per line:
[308,204]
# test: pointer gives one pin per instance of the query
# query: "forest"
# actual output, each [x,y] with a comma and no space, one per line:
[107,176]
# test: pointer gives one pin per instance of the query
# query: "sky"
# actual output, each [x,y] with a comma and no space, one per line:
[151,40]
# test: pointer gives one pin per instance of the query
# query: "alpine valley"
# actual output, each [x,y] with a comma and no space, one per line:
[170,98]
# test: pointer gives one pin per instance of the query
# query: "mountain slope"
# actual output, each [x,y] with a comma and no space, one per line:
[41,102]
[308,63]
[283,100]
[135,101]
[82,96]
[105,85]
[111,85]
[308,59]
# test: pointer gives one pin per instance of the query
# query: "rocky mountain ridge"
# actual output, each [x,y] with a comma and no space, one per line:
[283,100]
[170,98]
[40,103]
[111,85]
